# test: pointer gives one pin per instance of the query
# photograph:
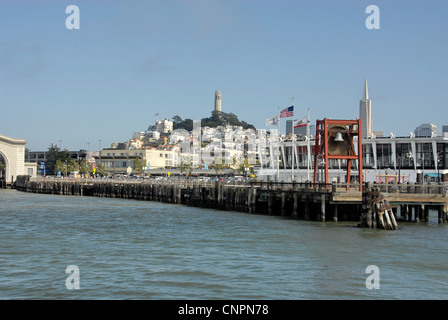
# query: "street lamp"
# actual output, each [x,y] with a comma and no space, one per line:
[320,156]
[423,167]
[399,169]
[439,162]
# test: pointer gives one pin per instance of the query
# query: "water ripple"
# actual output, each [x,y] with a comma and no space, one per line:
[146,250]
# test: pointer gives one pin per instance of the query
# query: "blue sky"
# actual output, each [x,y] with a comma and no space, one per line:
[132,59]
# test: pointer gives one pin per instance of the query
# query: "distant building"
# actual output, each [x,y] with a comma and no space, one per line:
[426,130]
[445,131]
[133,144]
[365,113]
[118,145]
[377,134]
[164,126]
[147,136]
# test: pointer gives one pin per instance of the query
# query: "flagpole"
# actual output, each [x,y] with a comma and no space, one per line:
[292,141]
[278,151]
[308,144]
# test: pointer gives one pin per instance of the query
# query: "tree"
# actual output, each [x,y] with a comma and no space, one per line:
[177,120]
[138,165]
[216,119]
[178,123]
[72,165]
[54,154]
[185,167]
[219,167]
[244,167]
[60,167]
[100,169]
[85,167]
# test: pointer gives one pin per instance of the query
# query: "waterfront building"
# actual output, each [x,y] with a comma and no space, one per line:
[12,160]
[40,158]
[161,157]
[119,161]
[397,158]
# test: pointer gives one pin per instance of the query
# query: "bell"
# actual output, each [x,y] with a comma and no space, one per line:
[338,137]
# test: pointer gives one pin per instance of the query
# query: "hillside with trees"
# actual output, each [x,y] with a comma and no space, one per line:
[216,119]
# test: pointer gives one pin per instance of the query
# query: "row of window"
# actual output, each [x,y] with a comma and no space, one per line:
[385,158]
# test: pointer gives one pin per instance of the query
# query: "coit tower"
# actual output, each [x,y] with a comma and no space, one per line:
[218,101]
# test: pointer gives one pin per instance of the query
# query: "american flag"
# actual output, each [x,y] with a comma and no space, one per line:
[288,112]
[156,115]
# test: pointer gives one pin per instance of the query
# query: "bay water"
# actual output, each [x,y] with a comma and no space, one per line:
[129,249]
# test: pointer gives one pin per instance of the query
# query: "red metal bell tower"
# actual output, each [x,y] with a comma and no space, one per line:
[335,140]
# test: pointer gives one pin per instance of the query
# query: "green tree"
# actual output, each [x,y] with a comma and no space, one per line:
[53,155]
[100,169]
[219,167]
[242,167]
[178,123]
[185,168]
[216,119]
[72,165]
[138,165]
[60,166]
[85,167]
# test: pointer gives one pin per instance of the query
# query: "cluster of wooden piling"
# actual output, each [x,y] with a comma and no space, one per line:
[376,211]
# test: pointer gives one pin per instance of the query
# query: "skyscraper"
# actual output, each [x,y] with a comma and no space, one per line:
[218,101]
[365,112]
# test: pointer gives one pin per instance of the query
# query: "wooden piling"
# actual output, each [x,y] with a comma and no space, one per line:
[295,212]
[307,208]
[445,213]
[335,213]
[322,207]
[283,203]
[270,201]
[426,213]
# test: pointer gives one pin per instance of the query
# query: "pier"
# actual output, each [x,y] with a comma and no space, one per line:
[306,201]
